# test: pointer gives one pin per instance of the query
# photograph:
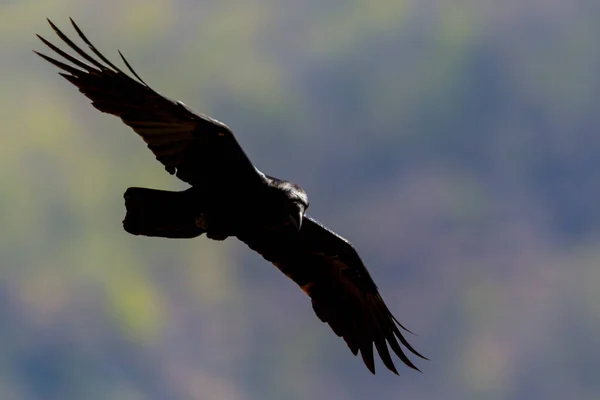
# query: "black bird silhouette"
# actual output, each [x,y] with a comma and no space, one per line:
[230,197]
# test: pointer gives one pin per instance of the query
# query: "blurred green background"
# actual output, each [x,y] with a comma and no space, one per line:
[456,144]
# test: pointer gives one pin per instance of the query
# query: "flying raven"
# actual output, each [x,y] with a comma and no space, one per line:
[230,197]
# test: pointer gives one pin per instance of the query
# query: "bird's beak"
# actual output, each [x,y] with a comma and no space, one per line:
[296,220]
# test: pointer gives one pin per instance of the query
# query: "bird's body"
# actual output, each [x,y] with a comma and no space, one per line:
[230,197]
[220,211]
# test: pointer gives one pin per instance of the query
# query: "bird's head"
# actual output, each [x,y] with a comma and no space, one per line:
[291,204]
[296,208]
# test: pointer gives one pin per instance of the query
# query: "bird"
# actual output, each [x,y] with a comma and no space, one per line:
[229,197]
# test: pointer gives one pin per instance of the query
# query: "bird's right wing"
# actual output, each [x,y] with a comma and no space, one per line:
[198,149]
[343,294]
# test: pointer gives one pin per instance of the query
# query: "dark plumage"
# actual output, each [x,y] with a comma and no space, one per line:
[230,197]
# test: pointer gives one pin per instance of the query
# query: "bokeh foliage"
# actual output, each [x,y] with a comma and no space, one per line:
[454,143]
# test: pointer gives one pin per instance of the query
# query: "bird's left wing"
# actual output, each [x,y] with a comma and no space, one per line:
[343,294]
[198,149]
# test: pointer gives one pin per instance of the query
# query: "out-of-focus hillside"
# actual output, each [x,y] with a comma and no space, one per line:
[456,144]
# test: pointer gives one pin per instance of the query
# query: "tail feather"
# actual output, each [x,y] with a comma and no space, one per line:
[161,213]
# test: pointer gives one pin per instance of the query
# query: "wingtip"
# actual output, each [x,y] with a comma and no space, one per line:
[52,24]
[389,364]
[79,31]
[402,326]
[413,366]
[43,40]
[412,350]
[45,57]
[73,23]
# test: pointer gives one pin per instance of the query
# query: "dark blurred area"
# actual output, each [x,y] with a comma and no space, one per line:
[455,144]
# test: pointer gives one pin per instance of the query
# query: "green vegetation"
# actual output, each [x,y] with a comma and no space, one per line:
[456,145]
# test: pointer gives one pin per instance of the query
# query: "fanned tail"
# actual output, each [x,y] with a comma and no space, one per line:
[160,213]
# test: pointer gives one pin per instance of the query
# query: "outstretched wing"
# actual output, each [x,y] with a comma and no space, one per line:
[195,147]
[343,294]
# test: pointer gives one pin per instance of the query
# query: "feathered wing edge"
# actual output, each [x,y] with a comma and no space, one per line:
[363,322]
[343,294]
[172,124]
[348,299]
[94,65]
